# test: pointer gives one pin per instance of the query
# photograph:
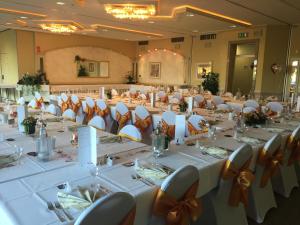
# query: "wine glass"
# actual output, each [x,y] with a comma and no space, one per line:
[18,152]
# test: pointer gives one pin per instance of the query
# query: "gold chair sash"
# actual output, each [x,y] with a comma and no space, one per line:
[133,95]
[89,113]
[122,119]
[164,99]
[101,112]
[168,129]
[270,162]
[178,212]
[202,104]
[66,104]
[39,102]
[129,219]
[194,131]
[293,146]
[241,181]
[143,124]
[76,106]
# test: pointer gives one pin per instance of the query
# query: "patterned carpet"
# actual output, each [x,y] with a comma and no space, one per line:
[287,213]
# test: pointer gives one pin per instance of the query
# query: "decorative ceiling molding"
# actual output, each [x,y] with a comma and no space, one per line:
[126,30]
[70,22]
[21,12]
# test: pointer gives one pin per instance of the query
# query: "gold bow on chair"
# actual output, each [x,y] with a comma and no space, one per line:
[39,102]
[122,119]
[168,129]
[76,107]
[293,146]
[101,112]
[66,104]
[89,113]
[143,124]
[195,131]
[178,212]
[129,219]
[270,162]
[242,179]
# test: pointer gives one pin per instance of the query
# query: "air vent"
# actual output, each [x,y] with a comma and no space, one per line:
[208,36]
[143,42]
[177,39]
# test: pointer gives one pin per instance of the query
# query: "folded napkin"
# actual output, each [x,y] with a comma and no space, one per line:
[249,140]
[154,173]
[54,119]
[274,130]
[80,200]
[110,139]
[216,151]
[5,160]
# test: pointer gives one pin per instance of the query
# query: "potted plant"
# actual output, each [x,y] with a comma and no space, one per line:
[29,125]
[130,78]
[109,94]
[183,106]
[211,83]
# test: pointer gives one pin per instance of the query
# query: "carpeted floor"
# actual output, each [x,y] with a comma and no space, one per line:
[287,213]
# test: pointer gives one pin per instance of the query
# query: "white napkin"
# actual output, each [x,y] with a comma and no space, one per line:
[22,114]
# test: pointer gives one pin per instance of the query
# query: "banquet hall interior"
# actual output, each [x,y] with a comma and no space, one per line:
[149,112]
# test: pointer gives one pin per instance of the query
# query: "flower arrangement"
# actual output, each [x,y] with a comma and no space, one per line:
[29,125]
[183,106]
[256,117]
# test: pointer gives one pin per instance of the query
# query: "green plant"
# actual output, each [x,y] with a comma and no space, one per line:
[29,121]
[183,106]
[34,81]
[254,118]
[130,78]
[82,71]
[109,94]
[211,83]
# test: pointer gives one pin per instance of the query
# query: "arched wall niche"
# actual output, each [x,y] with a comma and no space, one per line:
[61,69]
[173,67]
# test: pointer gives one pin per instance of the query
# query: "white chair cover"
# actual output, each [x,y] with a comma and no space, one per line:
[251,103]
[195,120]
[74,99]
[97,122]
[21,101]
[131,132]
[108,118]
[64,97]
[109,210]
[52,109]
[90,102]
[174,100]
[161,94]
[37,95]
[261,199]
[286,179]
[53,97]
[32,104]
[143,113]
[226,214]
[275,106]
[248,109]
[69,114]
[122,109]
[223,107]
[217,100]
[198,99]
[169,117]
[177,95]
[228,94]
[114,92]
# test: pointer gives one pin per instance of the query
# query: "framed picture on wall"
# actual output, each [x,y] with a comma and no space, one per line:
[155,69]
[202,69]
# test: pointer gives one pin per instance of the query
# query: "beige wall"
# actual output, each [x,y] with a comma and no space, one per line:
[8,57]
[61,68]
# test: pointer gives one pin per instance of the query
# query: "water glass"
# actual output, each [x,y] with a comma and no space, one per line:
[18,152]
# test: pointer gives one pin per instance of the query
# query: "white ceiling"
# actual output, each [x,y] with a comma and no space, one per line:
[257,12]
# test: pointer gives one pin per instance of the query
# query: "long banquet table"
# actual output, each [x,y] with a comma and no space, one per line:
[26,187]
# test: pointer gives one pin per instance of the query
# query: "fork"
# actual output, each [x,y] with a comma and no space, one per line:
[58,206]
[52,208]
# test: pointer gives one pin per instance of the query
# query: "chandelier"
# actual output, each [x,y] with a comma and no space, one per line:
[59,28]
[130,11]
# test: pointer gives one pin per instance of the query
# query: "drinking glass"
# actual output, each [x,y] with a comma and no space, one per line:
[18,152]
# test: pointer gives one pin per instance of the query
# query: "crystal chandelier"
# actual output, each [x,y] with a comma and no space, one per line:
[59,28]
[130,11]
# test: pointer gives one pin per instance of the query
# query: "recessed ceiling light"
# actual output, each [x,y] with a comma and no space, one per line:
[155,49]
[105,30]
[195,31]
[165,50]
[151,21]
[23,17]
[174,53]
[126,39]
[60,3]
[232,26]
[140,55]
[190,14]
[8,23]
[84,33]
[148,36]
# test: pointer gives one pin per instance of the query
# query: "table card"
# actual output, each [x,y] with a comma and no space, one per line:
[190,103]
[87,145]
[152,99]
[102,92]
[180,129]
[22,114]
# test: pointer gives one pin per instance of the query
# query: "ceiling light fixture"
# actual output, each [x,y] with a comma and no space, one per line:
[23,17]
[130,11]
[60,3]
[59,28]
[151,21]
[190,14]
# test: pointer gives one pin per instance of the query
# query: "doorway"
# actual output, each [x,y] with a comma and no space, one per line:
[242,67]
[292,87]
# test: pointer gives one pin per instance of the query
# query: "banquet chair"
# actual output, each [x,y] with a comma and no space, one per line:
[286,179]
[97,122]
[163,97]
[69,114]
[101,109]
[168,120]
[178,96]
[251,103]
[216,100]
[261,195]
[249,109]
[32,104]
[65,102]
[196,124]
[228,95]
[131,132]
[199,101]
[114,92]
[123,116]
[89,109]
[174,100]
[226,200]
[274,108]
[177,191]
[52,109]
[143,121]
[21,101]
[223,107]
[114,209]
[76,106]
